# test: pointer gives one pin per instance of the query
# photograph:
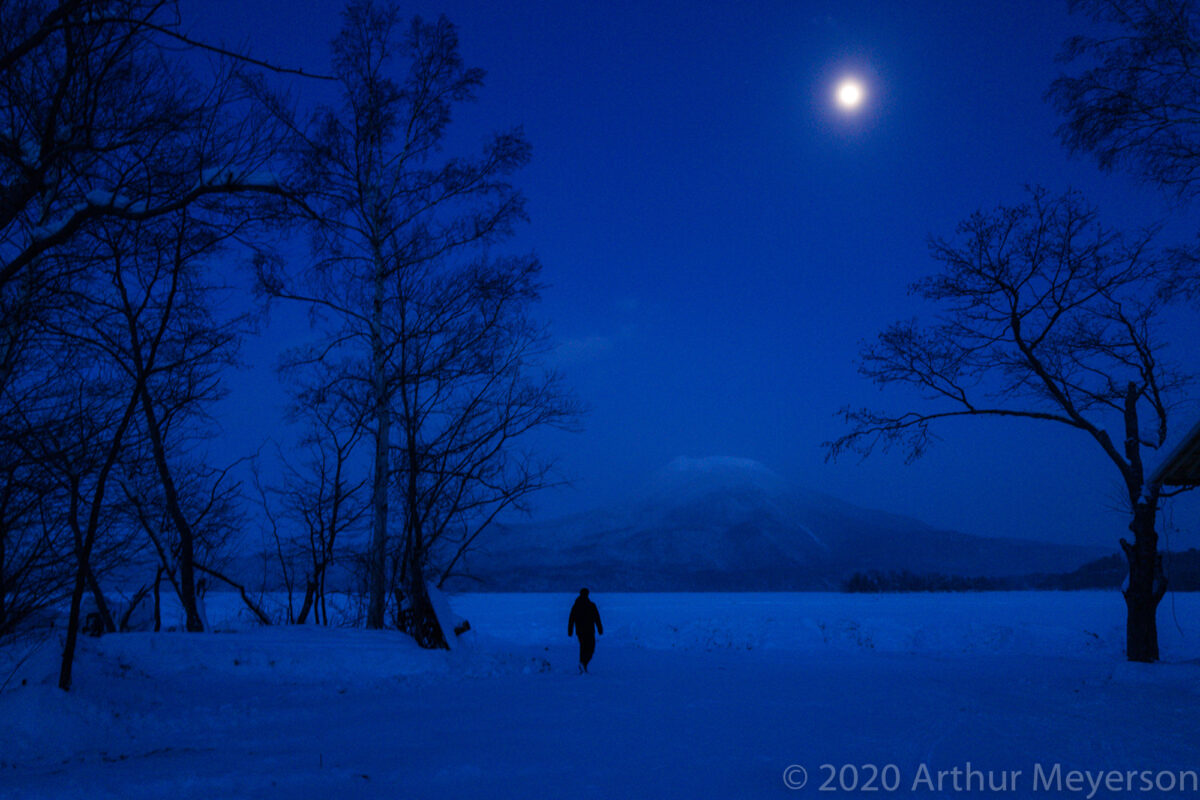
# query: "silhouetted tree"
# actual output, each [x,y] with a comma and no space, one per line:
[469,385]
[136,316]
[1044,315]
[394,221]
[1131,98]
[95,405]
[35,543]
[1134,98]
[101,124]
[145,309]
[99,120]
[320,498]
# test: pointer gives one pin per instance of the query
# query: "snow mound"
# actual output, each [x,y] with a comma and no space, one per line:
[290,653]
[45,722]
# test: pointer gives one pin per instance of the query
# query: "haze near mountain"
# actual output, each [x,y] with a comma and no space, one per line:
[731,524]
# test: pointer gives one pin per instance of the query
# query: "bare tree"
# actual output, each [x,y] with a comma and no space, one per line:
[98,120]
[186,378]
[469,386]
[1134,97]
[95,392]
[120,169]
[35,545]
[136,316]
[83,453]
[1044,315]
[320,499]
[386,203]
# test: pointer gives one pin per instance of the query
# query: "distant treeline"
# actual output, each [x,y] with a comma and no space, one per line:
[1183,575]
[876,581]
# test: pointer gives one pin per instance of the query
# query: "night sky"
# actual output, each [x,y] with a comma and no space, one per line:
[719,236]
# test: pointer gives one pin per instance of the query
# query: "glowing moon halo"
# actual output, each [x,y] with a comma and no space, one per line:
[850,94]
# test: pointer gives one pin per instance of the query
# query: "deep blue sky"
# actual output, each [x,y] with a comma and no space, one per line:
[719,238]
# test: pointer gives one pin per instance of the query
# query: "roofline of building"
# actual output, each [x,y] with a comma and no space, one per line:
[1186,445]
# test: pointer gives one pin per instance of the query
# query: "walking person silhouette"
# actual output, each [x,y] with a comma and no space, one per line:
[584,622]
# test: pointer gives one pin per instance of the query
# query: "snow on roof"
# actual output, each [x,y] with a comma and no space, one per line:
[1181,467]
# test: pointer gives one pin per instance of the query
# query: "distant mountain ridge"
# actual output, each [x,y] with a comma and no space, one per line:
[732,524]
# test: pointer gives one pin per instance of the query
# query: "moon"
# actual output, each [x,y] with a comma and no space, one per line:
[850,94]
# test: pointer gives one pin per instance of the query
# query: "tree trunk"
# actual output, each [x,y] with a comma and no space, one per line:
[106,617]
[3,582]
[82,553]
[314,597]
[187,540]
[418,618]
[158,600]
[324,620]
[85,541]
[377,558]
[68,657]
[138,597]
[1147,585]
[310,591]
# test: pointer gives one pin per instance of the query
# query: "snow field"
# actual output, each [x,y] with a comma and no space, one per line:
[1017,623]
[691,696]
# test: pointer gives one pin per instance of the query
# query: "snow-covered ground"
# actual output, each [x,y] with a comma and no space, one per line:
[690,696]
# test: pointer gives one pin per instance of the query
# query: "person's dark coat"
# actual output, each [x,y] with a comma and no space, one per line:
[584,619]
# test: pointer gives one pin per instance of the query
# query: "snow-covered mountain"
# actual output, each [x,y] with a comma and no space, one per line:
[732,524]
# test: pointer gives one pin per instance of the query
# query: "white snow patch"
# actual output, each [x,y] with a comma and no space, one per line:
[446,618]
